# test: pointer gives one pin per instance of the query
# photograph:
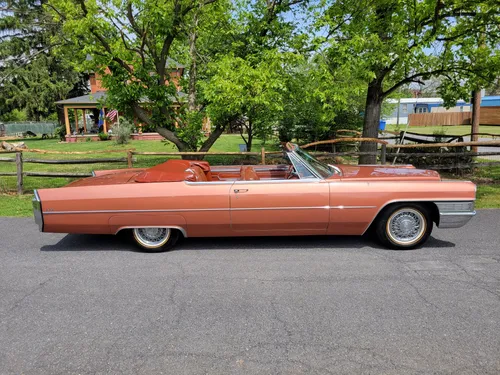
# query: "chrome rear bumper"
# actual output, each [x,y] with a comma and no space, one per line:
[37,211]
[455,214]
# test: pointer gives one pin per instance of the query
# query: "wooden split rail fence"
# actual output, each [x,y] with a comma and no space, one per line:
[385,154]
[20,160]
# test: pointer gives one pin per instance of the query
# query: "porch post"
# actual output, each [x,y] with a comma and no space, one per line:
[84,121]
[66,121]
[104,124]
[76,120]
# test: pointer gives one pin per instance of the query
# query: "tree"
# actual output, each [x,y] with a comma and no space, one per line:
[319,101]
[135,40]
[249,92]
[32,76]
[392,43]
[246,81]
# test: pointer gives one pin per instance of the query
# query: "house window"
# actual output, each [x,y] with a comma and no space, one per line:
[422,110]
[405,108]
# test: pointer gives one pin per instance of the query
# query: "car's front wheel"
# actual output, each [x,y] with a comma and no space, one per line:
[155,239]
[404,226]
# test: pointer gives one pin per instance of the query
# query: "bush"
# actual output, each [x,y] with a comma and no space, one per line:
[103,136]
[438,157]
[60,133]
[122,131]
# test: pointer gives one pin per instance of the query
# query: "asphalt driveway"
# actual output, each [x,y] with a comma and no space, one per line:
[74,304]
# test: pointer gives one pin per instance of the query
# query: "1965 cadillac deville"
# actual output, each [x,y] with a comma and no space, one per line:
[157,205]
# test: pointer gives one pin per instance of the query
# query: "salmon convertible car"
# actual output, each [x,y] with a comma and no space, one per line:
[188,198]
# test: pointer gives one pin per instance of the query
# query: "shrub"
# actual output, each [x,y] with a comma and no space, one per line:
[122,131]
[60,132]
[103,136]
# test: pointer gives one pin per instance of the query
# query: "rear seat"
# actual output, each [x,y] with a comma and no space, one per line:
[195,173]
[248,174]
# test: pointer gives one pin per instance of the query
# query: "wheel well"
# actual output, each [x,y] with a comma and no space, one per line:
[182,231]
[431,207]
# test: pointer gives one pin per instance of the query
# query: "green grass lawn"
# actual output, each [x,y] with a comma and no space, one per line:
[13,205]
[448,130]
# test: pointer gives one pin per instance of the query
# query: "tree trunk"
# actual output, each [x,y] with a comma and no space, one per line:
[248,140]
[373,108]
[476,114]
[219,129]
[193,66]
[143,116]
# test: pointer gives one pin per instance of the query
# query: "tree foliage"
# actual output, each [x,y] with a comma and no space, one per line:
[135,40]
[32,76]
[391,43]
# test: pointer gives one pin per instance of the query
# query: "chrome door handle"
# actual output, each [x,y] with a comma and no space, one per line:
[240,190]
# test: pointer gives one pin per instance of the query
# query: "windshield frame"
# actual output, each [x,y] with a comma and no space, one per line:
[324,172]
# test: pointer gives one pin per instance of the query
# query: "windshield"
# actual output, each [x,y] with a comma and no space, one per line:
[319,167]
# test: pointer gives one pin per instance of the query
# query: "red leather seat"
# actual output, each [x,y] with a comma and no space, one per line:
[248,174]
[196,174]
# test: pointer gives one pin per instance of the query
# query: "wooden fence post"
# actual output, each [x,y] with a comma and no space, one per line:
[19,167]
[383,153]
[263,155]
[129,159]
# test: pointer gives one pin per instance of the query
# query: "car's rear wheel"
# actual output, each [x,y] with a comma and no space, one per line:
[155,239]
[404,226]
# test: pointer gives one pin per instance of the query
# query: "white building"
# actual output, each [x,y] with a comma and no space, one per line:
[420,105]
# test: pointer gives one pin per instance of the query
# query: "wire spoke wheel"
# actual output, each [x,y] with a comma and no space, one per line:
[152,238]
[406,226]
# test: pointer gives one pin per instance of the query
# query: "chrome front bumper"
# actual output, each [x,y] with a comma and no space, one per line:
[37,211]
[455,214]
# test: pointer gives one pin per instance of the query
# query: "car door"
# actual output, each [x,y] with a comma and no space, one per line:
[279,207]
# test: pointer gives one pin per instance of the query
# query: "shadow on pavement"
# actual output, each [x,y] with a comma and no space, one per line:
[434,242]
[82,242]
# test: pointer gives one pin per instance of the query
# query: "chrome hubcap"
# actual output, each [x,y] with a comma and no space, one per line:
[406,226]
[152,237]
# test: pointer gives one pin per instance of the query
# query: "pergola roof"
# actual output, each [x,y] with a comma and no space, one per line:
[90,99]
[100,96]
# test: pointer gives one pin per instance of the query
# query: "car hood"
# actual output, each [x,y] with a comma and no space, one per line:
[385,173]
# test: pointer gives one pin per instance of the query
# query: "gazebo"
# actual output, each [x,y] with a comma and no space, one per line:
[91,102]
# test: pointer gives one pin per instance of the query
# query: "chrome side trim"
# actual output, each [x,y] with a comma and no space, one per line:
[431,200]
[182,230]
[206,209]
[253,182]
[237,168]
[133,211]
[219,182]
[350,207]
[297,181]
[281,208]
